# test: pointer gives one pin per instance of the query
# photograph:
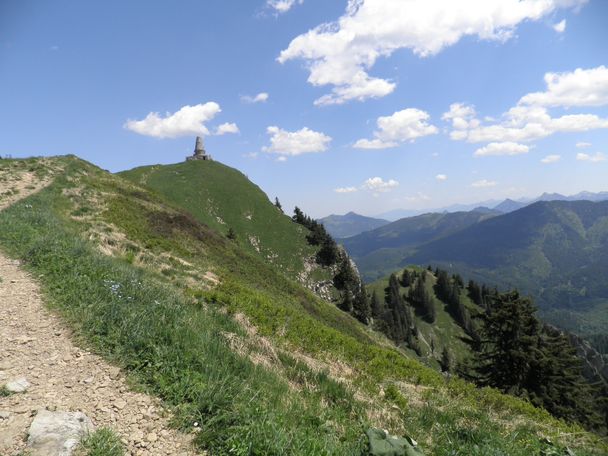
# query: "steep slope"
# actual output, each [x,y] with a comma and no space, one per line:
[351,224]
[380,251]
[223,198]
[444,332]
[224,338]
[555,251]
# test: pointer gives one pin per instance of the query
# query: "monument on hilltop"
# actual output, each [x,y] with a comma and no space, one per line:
[199,151]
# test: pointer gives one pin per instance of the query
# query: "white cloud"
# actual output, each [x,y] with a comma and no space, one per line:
[377,184]
[502,148]
[374,144]
[282,6]
[521,124]
[345,189]
[583,145]
[189,120]
[296,142]
[227,128]
[484,183]
[281,158]
[581,87]
[259,98]
[560,27]
[598,157]
[441,177]
[551,159]
[342,53]
[405,125]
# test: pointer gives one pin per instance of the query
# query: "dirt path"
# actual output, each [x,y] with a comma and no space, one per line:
[36,345]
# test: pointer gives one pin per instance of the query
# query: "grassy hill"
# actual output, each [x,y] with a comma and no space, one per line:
[381,251]
[226,339]
[351,224]
[443,332]
[222,198]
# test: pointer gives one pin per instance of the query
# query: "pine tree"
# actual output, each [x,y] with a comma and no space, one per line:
[361,307]
[422,300]
[298,216]
[277,204]
[509,337]
[474,292]
[231,234]
[377,306]
[406,279]
[447,360]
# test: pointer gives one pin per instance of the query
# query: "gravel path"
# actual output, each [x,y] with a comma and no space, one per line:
[35,344]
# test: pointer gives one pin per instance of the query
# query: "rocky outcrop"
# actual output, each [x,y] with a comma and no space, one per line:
[57,433]
[595,365]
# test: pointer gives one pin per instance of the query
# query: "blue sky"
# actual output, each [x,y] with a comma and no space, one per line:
[370,105]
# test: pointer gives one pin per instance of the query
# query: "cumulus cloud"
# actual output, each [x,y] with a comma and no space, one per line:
[259,98]
[551,159]
[441,177]
[294,143]
[598,157]
[522,124]
[342,53]
[502,148]
[405,125]
[226,128]
[581,87]
[345,189]
[583,145]
[484,183]
[379,185]
[530,119]
[189,120]
[282,6]
[560,27]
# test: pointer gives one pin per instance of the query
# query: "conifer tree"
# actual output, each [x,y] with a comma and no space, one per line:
[406,279]
[361,307]
[376,306]
[474,292]
[277,204]
[447,360]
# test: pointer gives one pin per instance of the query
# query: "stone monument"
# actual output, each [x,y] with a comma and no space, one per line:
[199,151]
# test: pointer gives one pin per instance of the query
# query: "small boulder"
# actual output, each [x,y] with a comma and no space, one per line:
[57,433]
[19,385]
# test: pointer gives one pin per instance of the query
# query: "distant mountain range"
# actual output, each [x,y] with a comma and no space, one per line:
[555,251]
[351,224]
[507,205]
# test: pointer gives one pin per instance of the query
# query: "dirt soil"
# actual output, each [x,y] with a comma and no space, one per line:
[36,345]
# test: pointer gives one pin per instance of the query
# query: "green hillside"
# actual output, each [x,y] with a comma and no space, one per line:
[223,198]
[381,251]
[443,332]
[227,340]
[555,251]
[351,224]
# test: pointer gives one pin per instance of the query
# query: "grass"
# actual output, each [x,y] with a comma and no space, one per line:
[4,392]
[301,378]
[102,442]
[223,198]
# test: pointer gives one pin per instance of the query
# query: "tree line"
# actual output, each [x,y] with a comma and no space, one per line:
[346,279]
[511,349]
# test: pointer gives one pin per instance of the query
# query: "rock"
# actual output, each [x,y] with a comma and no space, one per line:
[19,385]
[57,433]
[4,415]
[120,404]
[152,437]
